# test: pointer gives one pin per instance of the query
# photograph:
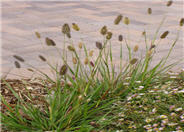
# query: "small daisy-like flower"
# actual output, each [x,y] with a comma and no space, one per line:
[163,116]
[171,107]
[148,120]
[138,81]
[182,116]
[173,114]
[178,109]
[165,121]
[172,124]
[154,110]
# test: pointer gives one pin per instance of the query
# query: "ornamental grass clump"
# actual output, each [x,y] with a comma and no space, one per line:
[93,93]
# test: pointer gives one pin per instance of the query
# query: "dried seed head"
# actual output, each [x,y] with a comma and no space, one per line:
[65,28]
[149,11]
[18,58]
[118,19]
[152,47]
[30,70]
[150,52]
[42,58]
[38,35]
[92,64]
[71,48]
[144,33]
[86,61]
[17,64]
[68,35]
[49,42]
[75,27]
[120,38]
[63,70]
[169,3]
[164,35]
[133,61]
[91,53]
[74,60]
[181,21]
[136,48]
[80,45]
[109,35]
[99,45]
[103,31]
[126,21]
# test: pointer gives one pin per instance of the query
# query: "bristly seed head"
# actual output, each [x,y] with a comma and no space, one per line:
[71,48]
[63,70]
[18,58]
[29,69]
[75,27]
[109,35]
[80,45]
[181,21]
[152,47]
[133,61]
[92,64]
[99,45]
[38,35]
[74,60]
[164,35]
[49,42]
[144,33]
[120,38]
[136,48]
[42,58]
[86,61]
[169,3]
[65,28]
[103,31]
[17,64]
[91,53]
[126,21]
[149,11]
[118,19]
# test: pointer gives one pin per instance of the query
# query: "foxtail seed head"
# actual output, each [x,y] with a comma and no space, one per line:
[49,42]
[182,22]
[38,35]
[75,27]
[169,3]
[80,45]
[92,64]
[136,48]
[74,60]
[42,58]
[99,45]
[149,11]
[118,19]
[65,28]
[91,53]
[120,38]
[109,35]
[103,31]
[86,61]
[126,21]
[164,35]
[18,58]
[133,61]
[71,48]
[63,70]
[17,64]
